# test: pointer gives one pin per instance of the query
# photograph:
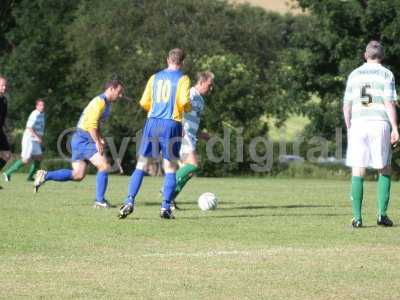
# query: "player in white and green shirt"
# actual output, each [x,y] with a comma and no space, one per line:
[371,121]
[31,143]
[191,123]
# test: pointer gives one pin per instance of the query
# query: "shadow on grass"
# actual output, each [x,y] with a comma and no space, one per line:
[276,206]
[250,207]
[374,226]
[260,216]
[146,203]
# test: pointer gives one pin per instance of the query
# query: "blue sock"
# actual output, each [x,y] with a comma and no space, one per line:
[134,185]
[59,175]
[101,185]
[169,189]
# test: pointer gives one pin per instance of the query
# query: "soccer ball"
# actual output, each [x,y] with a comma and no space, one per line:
[207,201]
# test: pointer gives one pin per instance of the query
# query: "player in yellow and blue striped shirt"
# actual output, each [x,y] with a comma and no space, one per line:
[165,98]
[88,145]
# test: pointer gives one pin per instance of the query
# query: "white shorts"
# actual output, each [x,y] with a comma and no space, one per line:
[188,145]
[30,147]
[369,145]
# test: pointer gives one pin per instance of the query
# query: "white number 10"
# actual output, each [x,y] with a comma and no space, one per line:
[163,91]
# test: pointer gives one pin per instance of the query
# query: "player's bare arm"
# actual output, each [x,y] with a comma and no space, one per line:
[37,137]
[391,111]
[347,114]
[95,134]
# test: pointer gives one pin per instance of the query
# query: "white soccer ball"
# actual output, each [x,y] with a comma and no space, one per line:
[207,201]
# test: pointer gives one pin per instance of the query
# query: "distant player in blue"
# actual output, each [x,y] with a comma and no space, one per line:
[88,145]
[165,98]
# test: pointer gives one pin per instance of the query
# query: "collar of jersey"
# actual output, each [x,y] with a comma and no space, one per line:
[103,96]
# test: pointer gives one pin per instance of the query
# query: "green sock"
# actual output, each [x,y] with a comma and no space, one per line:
[14,167]
[183,176]
[35,165]
[357,195]
[383,194]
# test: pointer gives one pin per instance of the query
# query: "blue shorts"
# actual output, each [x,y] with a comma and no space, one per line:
[82,145]
[161,135]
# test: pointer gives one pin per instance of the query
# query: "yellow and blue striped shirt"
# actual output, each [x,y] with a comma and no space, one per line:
[95,113]
[167,95]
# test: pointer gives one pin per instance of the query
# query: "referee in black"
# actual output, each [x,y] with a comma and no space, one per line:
[5,153]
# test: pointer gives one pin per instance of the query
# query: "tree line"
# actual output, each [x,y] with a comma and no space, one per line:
[266,64]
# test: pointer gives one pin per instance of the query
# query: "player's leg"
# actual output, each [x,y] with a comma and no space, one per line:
[147,147]
[384,184]
[77,173]
[103,168]
[358,157]
[4,157]
[186,171]
[80,153]
[381,157]
[170,142]
[137,178]
[357,194]
[34,167]
[170,167]
[26,153]
[36,159]
[135,182]
[5,150]
[16,165]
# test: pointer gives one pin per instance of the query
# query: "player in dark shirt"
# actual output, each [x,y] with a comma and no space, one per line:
[5,153]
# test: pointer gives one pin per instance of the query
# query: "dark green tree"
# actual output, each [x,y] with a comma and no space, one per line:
[131,39]
[7,22]
[38,64]
[324,46]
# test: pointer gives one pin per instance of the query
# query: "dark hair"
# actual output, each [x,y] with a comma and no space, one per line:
[39,100]
[177,56]
[114,83]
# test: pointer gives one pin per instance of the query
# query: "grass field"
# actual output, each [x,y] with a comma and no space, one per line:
[269,239]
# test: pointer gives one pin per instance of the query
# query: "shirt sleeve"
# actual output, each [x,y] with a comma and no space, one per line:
[93,113]
[348,92]
[184,94]
[390,90]
[31,120]
[145,101]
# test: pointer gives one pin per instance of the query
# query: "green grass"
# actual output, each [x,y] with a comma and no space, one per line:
[269,239]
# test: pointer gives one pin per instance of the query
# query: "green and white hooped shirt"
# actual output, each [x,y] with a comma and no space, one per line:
[36,121]
[191,119]
[368,87]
